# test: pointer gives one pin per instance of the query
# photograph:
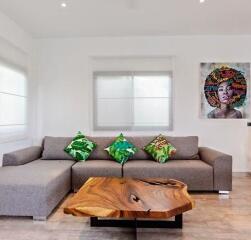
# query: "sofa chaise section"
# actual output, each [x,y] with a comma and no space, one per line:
[34,188]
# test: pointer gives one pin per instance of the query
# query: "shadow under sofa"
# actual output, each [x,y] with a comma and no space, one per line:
[34,180]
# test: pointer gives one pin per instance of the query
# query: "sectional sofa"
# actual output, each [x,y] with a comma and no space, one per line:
[34,180]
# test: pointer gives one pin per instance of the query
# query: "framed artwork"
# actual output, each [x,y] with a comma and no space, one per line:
[225,90]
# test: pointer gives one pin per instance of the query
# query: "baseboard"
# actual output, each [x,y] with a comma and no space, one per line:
[241,171]
[241,174]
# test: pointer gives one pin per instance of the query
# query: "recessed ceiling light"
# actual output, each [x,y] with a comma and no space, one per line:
[202,1]
[63,5]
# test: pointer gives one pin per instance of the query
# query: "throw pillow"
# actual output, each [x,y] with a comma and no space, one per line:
[80,148]
[121,150]
[160,149]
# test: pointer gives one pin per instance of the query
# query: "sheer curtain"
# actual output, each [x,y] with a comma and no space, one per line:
[132,100]
[13,103]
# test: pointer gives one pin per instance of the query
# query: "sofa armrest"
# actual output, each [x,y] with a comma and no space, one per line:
[222,167]
[22,156]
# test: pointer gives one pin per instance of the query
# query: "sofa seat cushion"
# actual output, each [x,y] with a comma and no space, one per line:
[195,173]
[81,171]
[34,189]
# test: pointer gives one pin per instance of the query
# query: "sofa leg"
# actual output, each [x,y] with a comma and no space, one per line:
[39,218]
[224,192]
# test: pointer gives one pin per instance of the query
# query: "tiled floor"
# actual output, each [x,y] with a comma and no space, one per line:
[214,217]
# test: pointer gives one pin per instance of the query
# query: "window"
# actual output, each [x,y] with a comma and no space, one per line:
[13,103]
[132,101]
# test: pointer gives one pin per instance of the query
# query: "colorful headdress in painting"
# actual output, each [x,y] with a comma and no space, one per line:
[225,74]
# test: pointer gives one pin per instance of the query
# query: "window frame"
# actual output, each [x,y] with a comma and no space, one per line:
[96,74]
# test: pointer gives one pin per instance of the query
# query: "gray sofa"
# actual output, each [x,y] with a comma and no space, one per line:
[34,180]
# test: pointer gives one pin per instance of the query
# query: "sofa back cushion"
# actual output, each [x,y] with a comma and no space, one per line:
[140,143]
[53,148]
[187,147]
[104,142]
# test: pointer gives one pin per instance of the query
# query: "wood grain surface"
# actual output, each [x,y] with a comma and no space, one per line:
[130,198]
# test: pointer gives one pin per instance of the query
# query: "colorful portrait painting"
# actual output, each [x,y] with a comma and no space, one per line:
[225,90]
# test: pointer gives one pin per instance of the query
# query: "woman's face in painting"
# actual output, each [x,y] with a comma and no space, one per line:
[225,92]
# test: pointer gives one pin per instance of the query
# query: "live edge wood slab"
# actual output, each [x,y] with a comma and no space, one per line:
[110,197]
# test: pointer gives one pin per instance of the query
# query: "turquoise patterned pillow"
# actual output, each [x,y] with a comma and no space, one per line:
[121,150]
[80,148]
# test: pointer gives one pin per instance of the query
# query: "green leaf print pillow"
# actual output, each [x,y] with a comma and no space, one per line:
[121,150]
[80,148]
[160,149]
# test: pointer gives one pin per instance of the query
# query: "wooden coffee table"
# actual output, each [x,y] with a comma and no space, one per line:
[129,202]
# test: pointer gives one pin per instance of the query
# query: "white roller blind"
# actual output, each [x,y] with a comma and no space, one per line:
[13,103]
[132,100]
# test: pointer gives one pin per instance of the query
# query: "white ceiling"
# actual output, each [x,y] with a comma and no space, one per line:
[45,18]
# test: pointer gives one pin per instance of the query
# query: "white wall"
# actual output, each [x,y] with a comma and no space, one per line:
[17,47]
[65,88]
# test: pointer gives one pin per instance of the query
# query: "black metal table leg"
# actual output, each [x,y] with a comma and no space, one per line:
[94,222]
[135,228]
[177,223]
